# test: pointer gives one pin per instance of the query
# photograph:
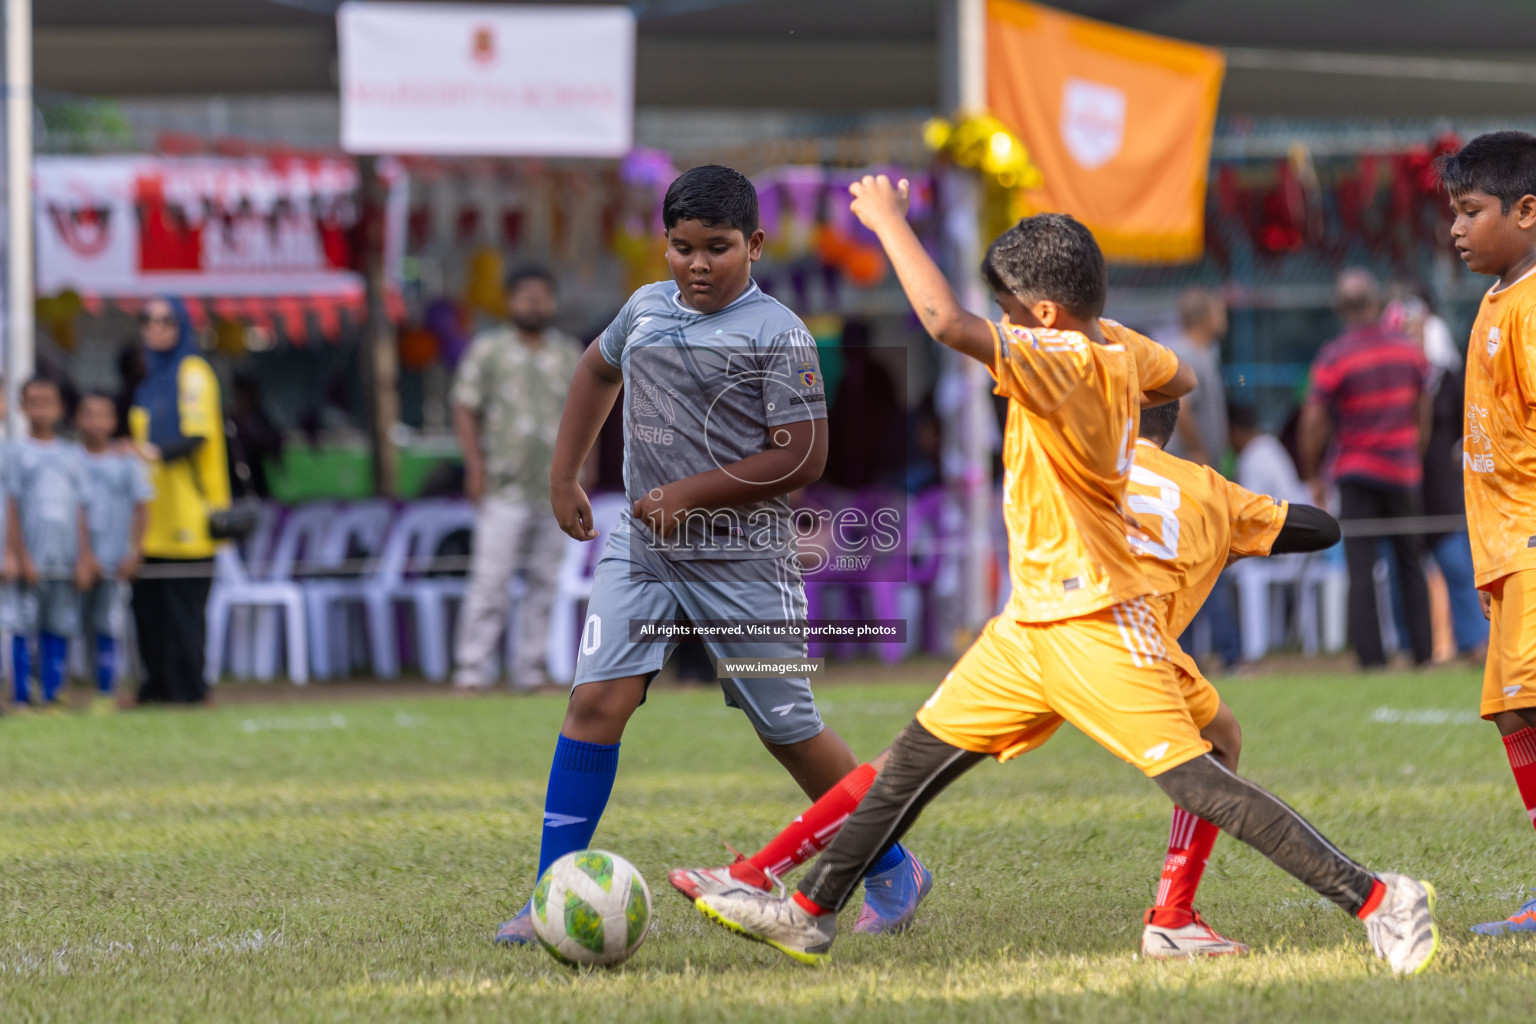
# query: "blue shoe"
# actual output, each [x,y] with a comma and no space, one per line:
[891,897]
[519,930]
[1522,920]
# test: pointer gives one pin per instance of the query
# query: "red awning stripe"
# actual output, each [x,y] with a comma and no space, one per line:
[333,315]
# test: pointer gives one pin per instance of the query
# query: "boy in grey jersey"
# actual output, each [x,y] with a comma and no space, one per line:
[724,415]
[47,540]
[117,491]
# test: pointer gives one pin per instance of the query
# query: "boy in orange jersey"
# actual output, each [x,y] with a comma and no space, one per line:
[1190,522]
[1078,641]
[1492,185]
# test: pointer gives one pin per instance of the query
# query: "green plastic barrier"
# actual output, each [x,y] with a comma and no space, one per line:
[310,474]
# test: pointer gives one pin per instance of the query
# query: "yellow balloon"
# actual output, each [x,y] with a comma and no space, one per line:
[981,142]
[937,132]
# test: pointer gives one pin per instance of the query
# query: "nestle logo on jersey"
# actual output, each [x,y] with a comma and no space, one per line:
[652,434]
[1476,463]
[1477,446]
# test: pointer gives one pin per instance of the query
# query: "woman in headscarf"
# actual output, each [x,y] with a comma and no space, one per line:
[178,425]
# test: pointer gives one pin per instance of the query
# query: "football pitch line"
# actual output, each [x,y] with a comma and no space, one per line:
[193,867]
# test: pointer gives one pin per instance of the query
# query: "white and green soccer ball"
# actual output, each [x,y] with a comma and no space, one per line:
[591,909]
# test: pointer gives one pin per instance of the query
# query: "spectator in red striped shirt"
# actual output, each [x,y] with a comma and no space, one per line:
[1369,393]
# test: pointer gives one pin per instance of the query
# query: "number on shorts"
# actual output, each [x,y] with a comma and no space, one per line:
[592,635]
[1165,505]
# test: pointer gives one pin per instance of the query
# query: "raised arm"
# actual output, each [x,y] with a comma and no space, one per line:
[587,405]
[882,207]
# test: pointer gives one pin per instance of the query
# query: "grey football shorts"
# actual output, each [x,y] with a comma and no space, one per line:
[53,606]
[632,582]
[103,608]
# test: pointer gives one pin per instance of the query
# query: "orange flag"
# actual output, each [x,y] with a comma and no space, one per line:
[1119,123]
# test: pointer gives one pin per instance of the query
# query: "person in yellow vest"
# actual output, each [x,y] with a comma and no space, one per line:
[177,424]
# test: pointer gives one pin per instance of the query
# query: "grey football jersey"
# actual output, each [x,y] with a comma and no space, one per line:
[115,484]
[47,479]
[702,391]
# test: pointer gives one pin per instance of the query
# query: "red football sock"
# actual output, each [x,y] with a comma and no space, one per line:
[1378,893]
[1521,748]
[808,834]
[806,905]
[1189,846]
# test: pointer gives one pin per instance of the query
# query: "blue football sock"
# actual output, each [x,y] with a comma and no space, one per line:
[891,859]
[21,669]
[106,662]
[580,781]
[52,654]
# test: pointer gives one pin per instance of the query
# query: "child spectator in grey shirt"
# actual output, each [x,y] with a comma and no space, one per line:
[48,542]
[117,491]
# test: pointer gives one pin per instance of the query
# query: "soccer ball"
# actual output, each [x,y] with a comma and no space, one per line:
[591,909]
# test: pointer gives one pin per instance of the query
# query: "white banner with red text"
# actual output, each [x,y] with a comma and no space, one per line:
[486,79]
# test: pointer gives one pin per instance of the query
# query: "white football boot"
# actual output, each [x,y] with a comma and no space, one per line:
[774,920]
[1194,939]
[1403,929]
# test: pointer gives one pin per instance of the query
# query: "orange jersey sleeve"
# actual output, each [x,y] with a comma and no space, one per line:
[1255,519]
[1155,364]
[1498,451]
[1189,522]
[1066,458]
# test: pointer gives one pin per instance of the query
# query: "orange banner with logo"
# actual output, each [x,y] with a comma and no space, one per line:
[1119,123]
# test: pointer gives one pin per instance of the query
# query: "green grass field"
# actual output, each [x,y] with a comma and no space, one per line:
[348,860]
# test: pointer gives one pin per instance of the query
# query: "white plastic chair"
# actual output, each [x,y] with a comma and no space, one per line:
[412,540]
[271,557]
[356,528]
[256,551]
[516,588]
[418,535]
[1327,579]
[1261,618]
[233,588]
[575,587]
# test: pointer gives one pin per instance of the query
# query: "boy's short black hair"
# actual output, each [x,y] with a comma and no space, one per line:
[41,381]
[532,272]
[1049,257]
[1158,421]
[1502,164]
[714,195]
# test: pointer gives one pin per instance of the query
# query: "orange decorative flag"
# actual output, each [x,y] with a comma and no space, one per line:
[1119,123]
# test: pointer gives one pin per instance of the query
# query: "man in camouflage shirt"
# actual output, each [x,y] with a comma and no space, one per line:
[507,398]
